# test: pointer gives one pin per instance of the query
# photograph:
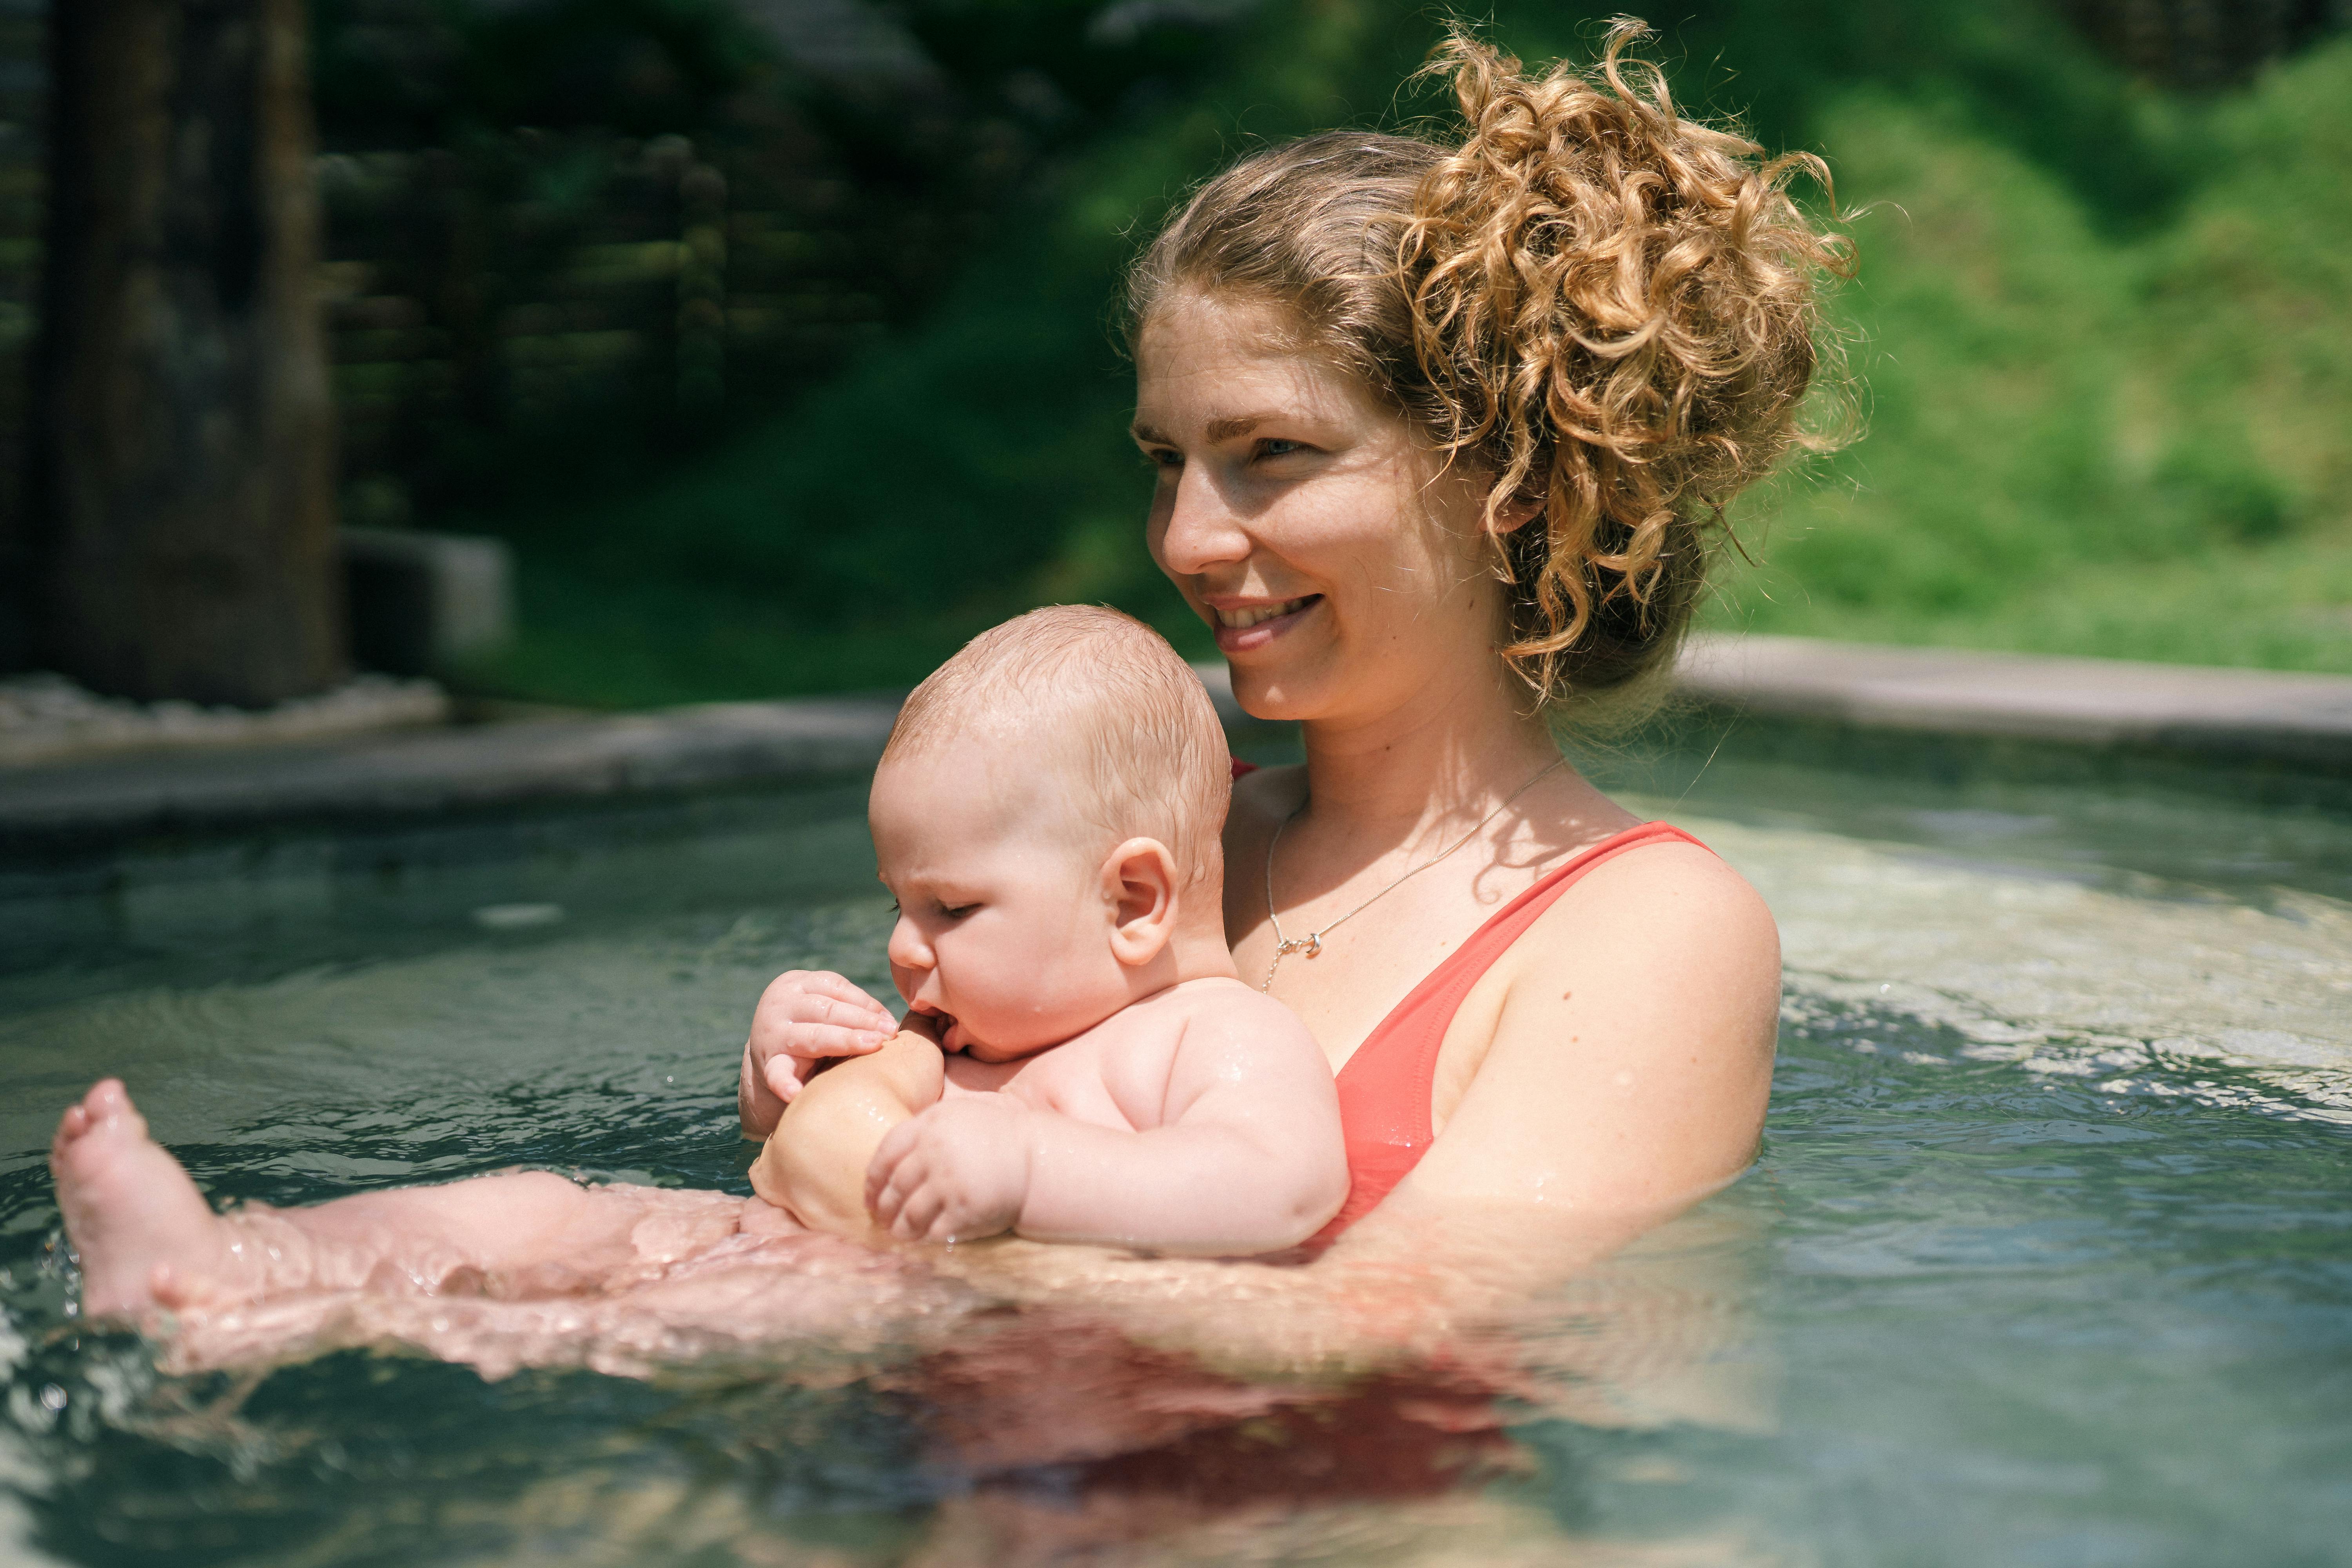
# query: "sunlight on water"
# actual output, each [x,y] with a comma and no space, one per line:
[2059,976]
[2048,1257]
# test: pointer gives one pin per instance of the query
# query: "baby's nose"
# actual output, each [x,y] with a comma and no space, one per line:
[908,950]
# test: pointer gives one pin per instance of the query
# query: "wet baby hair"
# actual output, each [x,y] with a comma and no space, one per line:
[1099,701]
[1610,310]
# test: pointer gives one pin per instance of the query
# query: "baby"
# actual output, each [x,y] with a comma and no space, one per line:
[1084,1064]
[1047,812]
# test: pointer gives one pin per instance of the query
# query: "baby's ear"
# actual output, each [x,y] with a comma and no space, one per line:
[1140,886]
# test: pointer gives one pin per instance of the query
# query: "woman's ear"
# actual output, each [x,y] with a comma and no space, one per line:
[1140,886]
[1516,514]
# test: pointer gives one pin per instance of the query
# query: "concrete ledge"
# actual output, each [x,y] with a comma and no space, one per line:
[82,807]
[45,720]
[74,809]
[2241,715]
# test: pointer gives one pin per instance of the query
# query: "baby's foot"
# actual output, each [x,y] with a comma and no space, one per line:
[146,1237]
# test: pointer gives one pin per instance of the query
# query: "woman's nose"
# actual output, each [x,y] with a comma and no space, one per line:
[1197,529]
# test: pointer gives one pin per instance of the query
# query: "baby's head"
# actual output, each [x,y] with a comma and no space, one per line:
[1047,814]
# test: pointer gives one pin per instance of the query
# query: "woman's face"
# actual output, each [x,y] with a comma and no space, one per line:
[1302,520]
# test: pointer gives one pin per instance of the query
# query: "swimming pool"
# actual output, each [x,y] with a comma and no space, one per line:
[2047,1258]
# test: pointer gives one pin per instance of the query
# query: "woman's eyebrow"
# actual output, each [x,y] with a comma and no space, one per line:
[1214,432]
[1221,430]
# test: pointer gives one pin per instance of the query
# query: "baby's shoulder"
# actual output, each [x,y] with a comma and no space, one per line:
[1228,1009]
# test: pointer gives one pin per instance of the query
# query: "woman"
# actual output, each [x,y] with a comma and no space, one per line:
[1442,435]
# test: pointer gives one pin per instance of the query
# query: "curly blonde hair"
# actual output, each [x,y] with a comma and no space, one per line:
[1610,310]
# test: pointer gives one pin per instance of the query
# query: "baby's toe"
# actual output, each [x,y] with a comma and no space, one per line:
[174,1291]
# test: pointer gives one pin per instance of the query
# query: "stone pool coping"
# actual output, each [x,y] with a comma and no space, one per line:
[415,774]
[2300,720]
[2229,715]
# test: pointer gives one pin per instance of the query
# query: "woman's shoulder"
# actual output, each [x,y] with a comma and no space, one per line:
[1668,903]
[1672,873]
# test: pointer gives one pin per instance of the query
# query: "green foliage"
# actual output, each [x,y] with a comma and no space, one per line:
[2103,339]
[2137,443]
[2217,492]
[960,472]
[417,73]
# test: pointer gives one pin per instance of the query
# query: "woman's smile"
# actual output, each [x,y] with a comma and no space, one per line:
[1253,625]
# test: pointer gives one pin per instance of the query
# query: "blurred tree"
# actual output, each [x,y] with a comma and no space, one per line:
[2204,43]
[183,456]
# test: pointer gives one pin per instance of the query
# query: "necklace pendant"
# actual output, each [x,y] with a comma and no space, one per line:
[1311,944]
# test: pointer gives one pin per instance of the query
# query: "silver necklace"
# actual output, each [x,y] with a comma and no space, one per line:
[1311,944]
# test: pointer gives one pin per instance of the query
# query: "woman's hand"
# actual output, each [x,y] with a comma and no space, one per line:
[803,1016]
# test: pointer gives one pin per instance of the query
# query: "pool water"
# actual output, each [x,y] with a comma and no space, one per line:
[2047,1257]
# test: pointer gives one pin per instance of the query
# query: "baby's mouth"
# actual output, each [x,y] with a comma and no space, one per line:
[947,1028]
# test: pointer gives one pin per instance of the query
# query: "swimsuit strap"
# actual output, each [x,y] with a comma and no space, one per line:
[1385,1088]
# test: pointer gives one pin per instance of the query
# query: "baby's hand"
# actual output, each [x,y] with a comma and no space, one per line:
[803,1016]
[957,1171]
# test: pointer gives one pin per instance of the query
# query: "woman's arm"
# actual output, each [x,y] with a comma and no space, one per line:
[1627,1058]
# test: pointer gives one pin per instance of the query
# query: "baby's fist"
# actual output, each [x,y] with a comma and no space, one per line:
[957,1172]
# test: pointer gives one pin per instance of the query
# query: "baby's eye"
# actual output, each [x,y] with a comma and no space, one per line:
[957,912]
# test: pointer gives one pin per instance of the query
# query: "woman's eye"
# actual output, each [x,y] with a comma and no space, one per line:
[1161,458]
[1275,447]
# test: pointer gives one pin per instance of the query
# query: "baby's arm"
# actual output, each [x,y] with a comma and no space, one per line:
[814,1167]
[1245,1156]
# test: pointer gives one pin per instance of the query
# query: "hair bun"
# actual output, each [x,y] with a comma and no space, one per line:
[1615,308]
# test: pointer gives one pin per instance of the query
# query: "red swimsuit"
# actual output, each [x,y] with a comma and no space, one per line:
[1386,1087]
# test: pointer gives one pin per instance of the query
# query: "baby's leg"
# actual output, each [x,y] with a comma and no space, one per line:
[148,1238]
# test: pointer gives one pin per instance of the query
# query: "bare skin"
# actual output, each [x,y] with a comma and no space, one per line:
[1047,1145]
[148,1228]
[148,1238]
[1107,1079]
[1613,1067]
[1617,1059]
